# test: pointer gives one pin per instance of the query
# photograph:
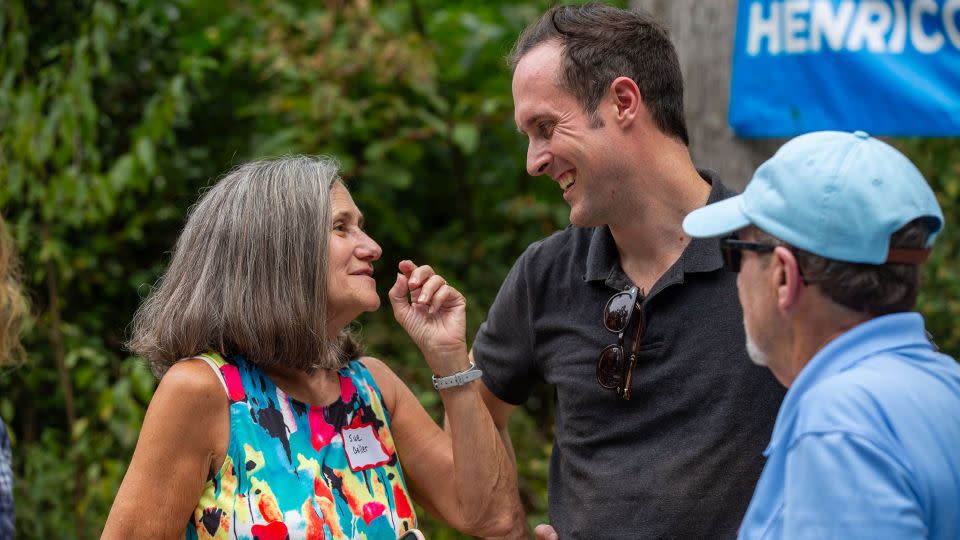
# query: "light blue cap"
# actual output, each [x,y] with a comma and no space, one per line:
[835,194]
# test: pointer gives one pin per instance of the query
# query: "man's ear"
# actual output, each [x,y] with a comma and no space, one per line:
[789,281]
[627,98]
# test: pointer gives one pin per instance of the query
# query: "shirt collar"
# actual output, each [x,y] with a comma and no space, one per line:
[875,336]
[703,254]
[700,255]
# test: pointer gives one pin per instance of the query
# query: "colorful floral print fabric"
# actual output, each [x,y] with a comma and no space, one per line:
[296,470]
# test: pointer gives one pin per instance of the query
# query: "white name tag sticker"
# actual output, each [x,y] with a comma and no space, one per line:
[363,447]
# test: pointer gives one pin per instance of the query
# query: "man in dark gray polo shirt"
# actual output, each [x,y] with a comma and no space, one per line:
[661,418]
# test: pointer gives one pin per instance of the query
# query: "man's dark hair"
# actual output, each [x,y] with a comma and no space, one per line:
[601,43]
[867,288]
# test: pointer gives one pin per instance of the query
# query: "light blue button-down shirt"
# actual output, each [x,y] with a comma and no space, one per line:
[866,443]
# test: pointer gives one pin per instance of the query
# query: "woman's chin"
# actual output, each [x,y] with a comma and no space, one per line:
[366,305]
[341,318]
[374,304]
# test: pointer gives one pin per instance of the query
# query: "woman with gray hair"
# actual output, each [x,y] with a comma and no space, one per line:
[267,422]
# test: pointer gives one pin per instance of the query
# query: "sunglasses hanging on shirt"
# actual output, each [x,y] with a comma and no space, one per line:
[614,367]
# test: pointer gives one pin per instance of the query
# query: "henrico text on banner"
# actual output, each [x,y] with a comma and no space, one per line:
[891,67]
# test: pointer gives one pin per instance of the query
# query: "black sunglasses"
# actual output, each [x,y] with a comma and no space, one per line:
[614,370]
[732,249]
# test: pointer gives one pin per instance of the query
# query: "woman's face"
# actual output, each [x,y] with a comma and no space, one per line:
[351,289]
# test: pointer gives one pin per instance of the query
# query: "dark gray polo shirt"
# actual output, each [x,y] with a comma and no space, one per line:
[681,458]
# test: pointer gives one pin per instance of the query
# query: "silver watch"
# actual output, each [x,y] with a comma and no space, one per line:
[457,379]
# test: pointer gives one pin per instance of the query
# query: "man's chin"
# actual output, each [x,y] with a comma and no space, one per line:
[578,219]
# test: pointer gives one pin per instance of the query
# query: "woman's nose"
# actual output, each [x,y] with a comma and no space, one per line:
[368,249]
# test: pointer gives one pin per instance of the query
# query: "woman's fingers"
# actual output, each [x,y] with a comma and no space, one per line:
[398,293]
[428,290]
[418,275]
[446,295]
[407,267]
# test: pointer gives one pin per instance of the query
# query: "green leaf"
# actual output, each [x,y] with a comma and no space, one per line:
[121,173]
[467,137]
[80,428]
[145,154]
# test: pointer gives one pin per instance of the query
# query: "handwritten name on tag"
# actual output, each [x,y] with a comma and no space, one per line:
[363,447]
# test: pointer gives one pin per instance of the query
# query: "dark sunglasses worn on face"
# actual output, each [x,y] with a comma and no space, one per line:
[614,368]
[733,248]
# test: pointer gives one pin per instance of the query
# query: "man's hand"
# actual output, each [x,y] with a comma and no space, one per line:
[545,532]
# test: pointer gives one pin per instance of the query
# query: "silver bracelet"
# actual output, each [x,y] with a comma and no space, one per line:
[457,379]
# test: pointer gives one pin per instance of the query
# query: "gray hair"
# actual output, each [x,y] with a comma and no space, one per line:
[874,289]
[248,273]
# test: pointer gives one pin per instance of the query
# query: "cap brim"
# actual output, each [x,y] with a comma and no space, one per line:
[717,219]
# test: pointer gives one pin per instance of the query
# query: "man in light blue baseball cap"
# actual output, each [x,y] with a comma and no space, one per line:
[827,239]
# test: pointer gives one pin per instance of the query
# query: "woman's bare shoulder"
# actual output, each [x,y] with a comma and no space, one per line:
[191,382]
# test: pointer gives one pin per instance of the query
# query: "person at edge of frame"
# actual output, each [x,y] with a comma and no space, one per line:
[13,308]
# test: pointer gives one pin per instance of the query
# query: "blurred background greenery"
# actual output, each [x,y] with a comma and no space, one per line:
[115,114]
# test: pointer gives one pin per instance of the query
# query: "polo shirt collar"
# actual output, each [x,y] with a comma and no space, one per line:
[603,259]
[896,331]
[703,254]
[700,255]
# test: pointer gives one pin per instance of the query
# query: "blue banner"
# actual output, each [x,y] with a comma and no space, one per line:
[889,67]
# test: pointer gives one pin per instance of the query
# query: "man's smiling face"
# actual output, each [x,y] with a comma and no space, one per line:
[563,142]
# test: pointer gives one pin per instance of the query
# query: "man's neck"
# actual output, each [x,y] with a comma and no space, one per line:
[649,233]
[820,323]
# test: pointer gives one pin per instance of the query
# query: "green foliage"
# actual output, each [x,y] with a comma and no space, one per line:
[77,163]
[939,161]
[114,114]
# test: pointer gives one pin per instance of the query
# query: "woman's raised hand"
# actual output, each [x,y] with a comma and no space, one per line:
[434,314]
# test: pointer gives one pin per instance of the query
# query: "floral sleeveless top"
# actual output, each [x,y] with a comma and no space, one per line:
[295,470]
